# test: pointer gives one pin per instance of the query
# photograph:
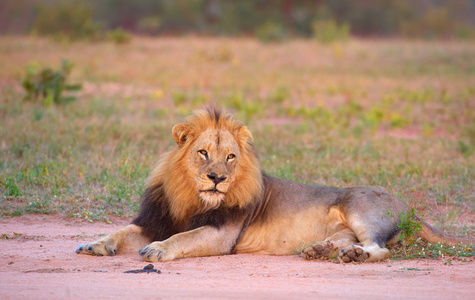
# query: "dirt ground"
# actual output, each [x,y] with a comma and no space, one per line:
[37,261]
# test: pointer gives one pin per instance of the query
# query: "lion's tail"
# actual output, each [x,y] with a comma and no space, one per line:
[432,235]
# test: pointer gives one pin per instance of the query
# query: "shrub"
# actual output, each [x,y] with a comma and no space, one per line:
[67,20]
[465,32]
[119,36]
[279,95]
[150,24]
[48,85]
[11,189]
[328,31]
[409,225]
[271,32]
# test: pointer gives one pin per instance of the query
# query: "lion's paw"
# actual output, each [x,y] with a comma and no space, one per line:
[317,251]
[352,253]
[104,247]
[157,251]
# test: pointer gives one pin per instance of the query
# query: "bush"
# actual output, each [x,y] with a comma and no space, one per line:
[68,20]
[11,189]
[149,25]
[328,31]
[271,32]
[410,226]
[119,36]
[48,85]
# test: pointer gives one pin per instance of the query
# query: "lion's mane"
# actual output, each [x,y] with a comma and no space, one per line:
[171,199]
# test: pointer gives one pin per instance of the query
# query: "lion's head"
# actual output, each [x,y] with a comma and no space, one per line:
[213,165]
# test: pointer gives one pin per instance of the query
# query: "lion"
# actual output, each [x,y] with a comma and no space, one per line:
[209,196]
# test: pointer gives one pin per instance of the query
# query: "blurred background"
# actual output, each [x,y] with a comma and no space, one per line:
[264,19]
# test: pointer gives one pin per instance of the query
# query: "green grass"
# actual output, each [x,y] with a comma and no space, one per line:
[421,249]
[399,115]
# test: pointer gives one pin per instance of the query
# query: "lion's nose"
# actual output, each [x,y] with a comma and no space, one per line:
[215,178]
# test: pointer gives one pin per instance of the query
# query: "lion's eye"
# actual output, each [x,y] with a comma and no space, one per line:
[204,153]
[231,157]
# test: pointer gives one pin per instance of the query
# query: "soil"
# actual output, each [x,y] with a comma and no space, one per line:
[37,261]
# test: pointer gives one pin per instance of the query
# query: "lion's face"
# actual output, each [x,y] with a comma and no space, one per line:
[212,163]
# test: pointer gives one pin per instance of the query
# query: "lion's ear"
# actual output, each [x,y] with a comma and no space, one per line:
[180,133]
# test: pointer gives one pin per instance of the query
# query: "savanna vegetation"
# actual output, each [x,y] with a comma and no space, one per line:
[275,20]
[395,114]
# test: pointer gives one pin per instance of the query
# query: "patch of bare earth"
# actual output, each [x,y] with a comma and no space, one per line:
[37,261]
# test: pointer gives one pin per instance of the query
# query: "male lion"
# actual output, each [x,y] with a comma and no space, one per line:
[209,196]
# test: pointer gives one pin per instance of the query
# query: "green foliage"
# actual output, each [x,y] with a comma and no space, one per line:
[67,20]
[74,18]
[298,249]
[11,189]
[119,36]
[38,207]
[279,95]
[413,247]
[95,214]
[271,32]
[444,250]
[469,132]
[466,149]
[48,85]
[247,109]
[464,32]
[373,117]
[329,31]
[434,22]
[409,225]
[149,24]
[179,98]
[421,249]
[416,96]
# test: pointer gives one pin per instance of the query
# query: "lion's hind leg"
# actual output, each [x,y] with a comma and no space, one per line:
[372,237]
[330,246]
[371,215]
[130,236]
[345,245]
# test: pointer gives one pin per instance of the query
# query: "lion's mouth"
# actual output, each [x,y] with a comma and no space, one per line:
[213,190]
[212,198]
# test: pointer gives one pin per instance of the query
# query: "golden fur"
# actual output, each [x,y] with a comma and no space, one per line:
[173,168]
[209,196]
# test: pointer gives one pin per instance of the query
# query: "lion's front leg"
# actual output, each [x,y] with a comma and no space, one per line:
[111,244]
[203,241]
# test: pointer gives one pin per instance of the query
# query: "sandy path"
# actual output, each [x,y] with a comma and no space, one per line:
[40,263]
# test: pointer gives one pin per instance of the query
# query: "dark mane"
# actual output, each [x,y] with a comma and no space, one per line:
[154,215]
[214,112]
